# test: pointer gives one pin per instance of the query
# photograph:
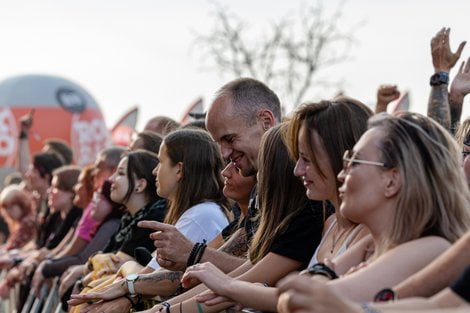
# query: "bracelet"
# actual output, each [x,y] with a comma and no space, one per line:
[192,255]
[23,135]
[200,251]
[385,295]
[130,300]
[368,309]
[322,269]
[165,305]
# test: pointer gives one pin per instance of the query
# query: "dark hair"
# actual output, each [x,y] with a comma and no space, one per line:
[140,164]
[202,164]
[45,163]
[112,156]
[67,177]
[339,123]
[151,141]
[162,125]
[62,149]
[248,95]
[198,124]
[281,195]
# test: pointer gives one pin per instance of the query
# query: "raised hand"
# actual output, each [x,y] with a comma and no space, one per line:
[443,58]
[385,95]
[461,83]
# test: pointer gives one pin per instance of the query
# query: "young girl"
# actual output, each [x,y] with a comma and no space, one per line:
[188,175]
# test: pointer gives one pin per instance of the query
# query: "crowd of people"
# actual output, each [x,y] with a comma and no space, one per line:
[333,208]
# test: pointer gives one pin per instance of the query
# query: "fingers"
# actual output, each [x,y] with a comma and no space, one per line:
[460,49]
[154,225]
[467,66]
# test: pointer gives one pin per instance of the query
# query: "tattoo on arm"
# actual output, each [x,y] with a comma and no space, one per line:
[455,113]
[438,106]
[160,276]
[237,245]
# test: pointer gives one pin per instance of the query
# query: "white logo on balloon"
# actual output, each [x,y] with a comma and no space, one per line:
[88,138]
[8,135]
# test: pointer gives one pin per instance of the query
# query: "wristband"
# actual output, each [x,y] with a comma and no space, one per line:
[439,78]
[23,135]
[165,305]
[322,269]
[385,295]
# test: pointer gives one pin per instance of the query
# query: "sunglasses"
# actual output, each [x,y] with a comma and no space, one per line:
[349,159]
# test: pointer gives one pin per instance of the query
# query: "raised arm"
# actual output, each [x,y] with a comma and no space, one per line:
[385,95]
[26,122]
[459,88]
[443,60]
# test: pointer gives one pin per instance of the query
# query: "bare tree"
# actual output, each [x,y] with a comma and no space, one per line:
[287,57]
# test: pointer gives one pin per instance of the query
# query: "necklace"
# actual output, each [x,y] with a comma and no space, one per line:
[336,240]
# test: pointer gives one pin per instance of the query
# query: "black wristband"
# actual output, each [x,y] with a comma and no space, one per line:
[23,135]
[322,269]
[165,305]
[192,255]
[130,300]
[200,252]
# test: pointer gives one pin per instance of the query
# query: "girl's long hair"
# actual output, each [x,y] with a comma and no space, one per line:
[281,195]
[202,164]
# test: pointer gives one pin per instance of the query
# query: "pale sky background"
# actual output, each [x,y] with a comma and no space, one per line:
[139,52]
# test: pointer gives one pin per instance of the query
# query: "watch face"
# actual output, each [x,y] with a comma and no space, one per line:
[132,277]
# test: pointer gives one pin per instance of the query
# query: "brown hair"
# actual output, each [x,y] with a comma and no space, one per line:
[281,195]
[201,179]
[61,148]
[339,123]
[67,177]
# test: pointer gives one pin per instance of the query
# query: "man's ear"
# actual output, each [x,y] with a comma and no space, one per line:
[179,171]
[266,118]
[392,182]
[140,185]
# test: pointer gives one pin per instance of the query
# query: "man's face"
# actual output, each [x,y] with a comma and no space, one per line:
[238,142]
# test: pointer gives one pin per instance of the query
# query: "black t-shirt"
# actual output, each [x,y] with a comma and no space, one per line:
[130,236]
[47,228]
[63,228]
[250,221]
[462,285]
[303,234]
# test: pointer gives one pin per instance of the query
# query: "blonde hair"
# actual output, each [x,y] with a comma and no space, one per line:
[463,132]
[434,198]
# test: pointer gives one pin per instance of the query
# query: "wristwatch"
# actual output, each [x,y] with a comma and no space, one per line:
[130,280]
[439,78]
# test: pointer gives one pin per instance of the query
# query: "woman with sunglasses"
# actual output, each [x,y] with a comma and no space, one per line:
[411,165]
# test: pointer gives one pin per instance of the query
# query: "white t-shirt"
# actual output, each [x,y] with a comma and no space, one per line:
[203,221]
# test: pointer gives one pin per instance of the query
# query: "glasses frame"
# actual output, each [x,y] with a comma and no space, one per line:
[347,161]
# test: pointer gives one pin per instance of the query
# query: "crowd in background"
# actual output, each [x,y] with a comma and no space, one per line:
[333,208]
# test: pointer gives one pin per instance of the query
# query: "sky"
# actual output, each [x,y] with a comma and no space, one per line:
[142,52]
